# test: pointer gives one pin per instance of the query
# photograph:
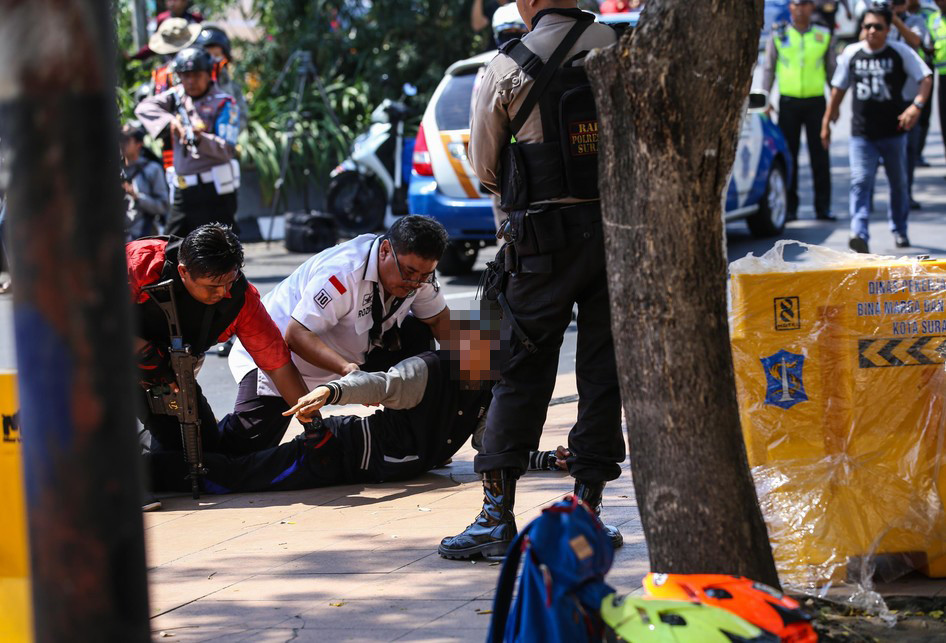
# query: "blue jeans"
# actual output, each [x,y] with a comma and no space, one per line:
[865,154]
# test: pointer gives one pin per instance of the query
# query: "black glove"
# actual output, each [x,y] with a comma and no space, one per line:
[154,366]
[316,434]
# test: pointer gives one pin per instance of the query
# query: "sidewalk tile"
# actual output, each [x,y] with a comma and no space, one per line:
[211,614]
[377,614]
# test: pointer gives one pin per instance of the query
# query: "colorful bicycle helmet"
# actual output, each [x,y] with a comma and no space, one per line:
[758,603]
[648,620]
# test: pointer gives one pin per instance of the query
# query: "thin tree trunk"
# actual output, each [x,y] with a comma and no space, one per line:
[671,97]
[72,320]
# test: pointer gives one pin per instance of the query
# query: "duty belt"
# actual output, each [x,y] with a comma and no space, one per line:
[190,180]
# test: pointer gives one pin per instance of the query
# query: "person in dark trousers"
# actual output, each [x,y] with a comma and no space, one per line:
[826,12]
[206,174]
[800,56]
[911,30]
[891,85]
[146,188]
[937,26]
[433,403]
[5,286]
[213,301]
[557,259]
[926,53]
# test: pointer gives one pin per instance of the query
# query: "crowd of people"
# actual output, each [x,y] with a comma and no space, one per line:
[365,322]
[888,71]
[193,107]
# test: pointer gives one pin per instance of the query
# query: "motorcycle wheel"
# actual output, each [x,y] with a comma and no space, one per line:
[357,202]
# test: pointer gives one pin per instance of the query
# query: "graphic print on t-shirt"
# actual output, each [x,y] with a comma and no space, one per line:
[870,76]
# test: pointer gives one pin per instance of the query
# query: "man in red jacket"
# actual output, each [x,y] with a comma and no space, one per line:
[214,301]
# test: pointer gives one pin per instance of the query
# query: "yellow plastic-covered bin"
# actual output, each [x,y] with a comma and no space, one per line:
[15,614]
[840,375]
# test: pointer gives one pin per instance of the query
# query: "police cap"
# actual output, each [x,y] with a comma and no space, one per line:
[211,36]
[192,59]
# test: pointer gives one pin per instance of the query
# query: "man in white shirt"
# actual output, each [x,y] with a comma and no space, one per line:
[369,302]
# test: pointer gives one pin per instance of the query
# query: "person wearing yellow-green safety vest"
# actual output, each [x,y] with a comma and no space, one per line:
[915,8]
[937,26]
[800,57]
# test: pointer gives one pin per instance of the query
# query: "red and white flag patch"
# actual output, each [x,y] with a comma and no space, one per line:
[339,286]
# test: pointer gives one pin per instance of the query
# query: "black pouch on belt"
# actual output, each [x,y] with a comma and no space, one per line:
[547,228]
[522,235]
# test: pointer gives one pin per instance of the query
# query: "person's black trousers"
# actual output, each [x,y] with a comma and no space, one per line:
[257,421]
[795,114]
[302,463]
[941,97]
[925,116]
[542,302]
[199,204]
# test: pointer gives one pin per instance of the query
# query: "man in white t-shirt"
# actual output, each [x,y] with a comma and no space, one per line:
[366,303]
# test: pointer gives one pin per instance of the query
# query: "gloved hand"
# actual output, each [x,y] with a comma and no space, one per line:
[316,434]
[154,366]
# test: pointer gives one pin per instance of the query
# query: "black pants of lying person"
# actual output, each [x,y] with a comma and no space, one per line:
[429,413]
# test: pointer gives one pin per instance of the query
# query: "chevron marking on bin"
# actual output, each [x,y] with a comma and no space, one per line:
[912,351]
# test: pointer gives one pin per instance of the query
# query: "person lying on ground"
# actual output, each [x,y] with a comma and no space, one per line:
[433,403]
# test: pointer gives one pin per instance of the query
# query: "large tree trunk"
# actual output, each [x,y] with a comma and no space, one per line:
[671,97]
[72,320]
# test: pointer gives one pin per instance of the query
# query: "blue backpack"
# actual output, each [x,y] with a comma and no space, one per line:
[565,554]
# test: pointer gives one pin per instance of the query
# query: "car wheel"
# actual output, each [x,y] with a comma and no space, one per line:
[357,202]
[458,259]
[773,208]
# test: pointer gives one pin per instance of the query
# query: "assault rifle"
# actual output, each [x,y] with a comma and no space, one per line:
[190,140]
[182,404]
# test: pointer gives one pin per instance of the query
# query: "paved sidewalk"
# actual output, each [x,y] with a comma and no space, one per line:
[353,562]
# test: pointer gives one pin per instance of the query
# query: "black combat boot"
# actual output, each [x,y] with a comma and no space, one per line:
[590,493]
[495,528]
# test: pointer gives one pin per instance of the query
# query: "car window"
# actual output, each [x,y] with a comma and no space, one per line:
[453,108]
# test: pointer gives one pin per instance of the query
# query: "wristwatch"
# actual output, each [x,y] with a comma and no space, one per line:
[918,103]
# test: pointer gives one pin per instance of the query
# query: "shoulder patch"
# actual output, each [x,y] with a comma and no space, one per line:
[322,298]
[339,286]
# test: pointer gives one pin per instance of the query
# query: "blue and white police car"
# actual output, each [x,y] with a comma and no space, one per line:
[444,186]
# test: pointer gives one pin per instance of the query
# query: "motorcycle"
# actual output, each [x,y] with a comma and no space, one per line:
[370,187]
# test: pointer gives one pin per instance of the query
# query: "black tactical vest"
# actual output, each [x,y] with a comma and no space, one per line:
[565,163]
[201,324]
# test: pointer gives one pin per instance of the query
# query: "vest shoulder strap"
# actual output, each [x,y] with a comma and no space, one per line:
[542,81]
[530,63]
[170,257]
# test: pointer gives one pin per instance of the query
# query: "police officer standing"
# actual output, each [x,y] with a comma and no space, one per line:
[826,10]
[800,56]
[937,26]
[537,91]
[203,124]
[216,42]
